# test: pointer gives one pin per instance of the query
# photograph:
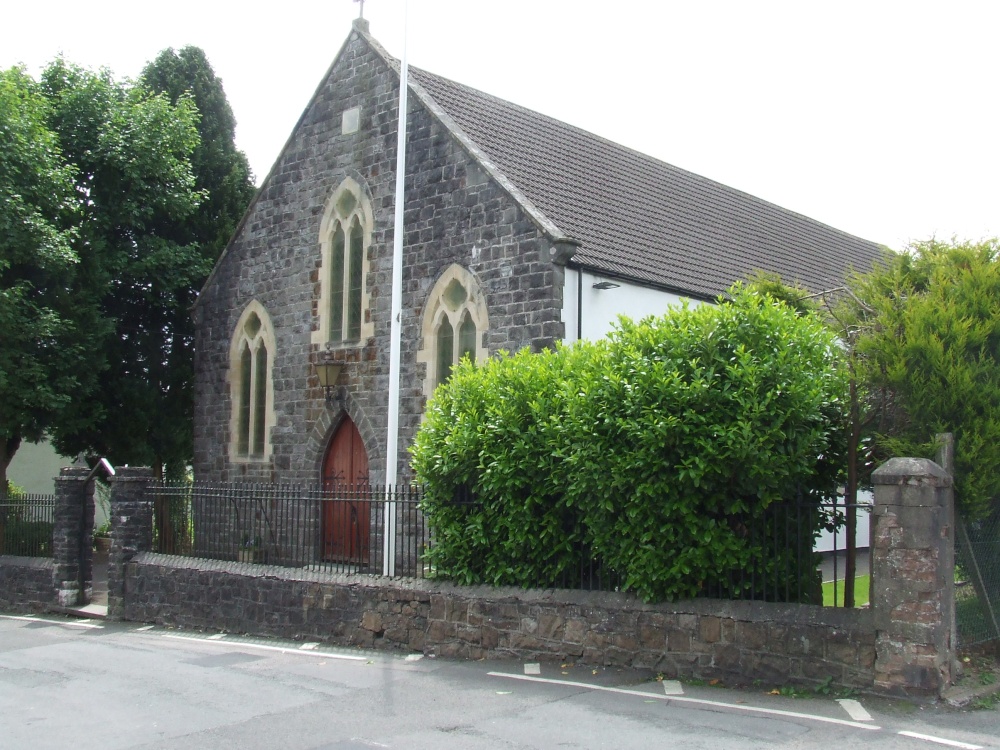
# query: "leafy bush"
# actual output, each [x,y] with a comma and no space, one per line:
[656,452]
[492,455]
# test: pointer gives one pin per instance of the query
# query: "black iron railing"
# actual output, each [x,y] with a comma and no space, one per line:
[26,523]
[364,529]
[784,565]
[367,529]
[776,548]
[849,553]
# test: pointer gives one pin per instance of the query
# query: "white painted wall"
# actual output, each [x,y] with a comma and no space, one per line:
[863,538]
[601,307]
[600,311]
[35,467]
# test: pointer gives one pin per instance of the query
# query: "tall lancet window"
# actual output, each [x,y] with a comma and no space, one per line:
[251,359]
[455,321]
[345,234]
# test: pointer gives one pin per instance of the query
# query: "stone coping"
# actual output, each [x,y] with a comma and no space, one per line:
[798,614]
[17,561]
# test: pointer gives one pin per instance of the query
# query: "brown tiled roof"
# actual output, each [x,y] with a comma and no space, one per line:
[635,216]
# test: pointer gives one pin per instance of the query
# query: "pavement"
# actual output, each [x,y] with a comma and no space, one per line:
[964,694]
[100,580]
[117,686]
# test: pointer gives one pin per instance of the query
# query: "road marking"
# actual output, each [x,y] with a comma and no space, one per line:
[684,699]
[308,646]
[533,668]
[144,628]
[217,637]
[941,740]
[71,623]
[854,709]
[672,687]
[262,647]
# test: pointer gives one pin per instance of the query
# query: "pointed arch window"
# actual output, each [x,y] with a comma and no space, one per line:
[455,321]
[345,234]
[251,359]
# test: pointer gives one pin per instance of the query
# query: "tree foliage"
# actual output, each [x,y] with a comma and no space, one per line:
[863,404]
[651,451]
[95,176]
[131,152]
[48,326]
[165,188]
[221,171]
[928,338]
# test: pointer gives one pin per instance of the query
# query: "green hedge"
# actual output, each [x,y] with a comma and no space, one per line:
[653,451]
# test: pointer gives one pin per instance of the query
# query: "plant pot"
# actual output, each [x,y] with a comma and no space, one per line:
[102,543]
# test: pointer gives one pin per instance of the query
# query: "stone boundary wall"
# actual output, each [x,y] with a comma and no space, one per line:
[705,639]
[26,584]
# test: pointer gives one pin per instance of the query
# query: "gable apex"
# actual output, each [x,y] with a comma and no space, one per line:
[627,214]
[553,232]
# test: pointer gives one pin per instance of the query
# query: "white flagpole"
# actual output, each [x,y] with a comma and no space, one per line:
[396,307]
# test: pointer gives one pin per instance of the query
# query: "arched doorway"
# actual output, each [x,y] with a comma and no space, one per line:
[347,506]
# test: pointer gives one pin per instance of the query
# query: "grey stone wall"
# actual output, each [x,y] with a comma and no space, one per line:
[131,516]
[454,214]
[913,577]
[26,584]
[72,537]
[736,641]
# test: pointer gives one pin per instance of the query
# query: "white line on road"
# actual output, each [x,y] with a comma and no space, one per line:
[70,623]
[217,637]
[684,699]
[262,647]
[854,709]
[144,628]
[672,687]
[941,740]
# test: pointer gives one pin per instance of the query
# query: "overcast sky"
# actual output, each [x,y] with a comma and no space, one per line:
[879,118]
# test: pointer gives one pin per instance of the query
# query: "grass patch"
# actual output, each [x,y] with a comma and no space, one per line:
[861,585]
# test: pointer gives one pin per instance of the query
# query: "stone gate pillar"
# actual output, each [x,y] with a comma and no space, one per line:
[131,516]
[72,537]
[913,579]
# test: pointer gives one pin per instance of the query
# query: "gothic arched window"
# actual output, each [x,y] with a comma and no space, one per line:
[455,320]
[345,233]
[251,390]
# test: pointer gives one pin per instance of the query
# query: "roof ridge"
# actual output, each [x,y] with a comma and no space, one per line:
[548,226]
[622,147]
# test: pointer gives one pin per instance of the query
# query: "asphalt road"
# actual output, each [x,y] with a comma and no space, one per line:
[73,684]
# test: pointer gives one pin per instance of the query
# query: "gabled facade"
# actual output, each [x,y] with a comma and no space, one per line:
[511,219]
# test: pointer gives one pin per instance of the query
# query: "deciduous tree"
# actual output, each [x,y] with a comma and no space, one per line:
[50,327]
[159,200]
[127,154]
[146,396]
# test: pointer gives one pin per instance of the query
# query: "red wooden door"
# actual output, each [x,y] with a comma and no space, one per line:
[347,509]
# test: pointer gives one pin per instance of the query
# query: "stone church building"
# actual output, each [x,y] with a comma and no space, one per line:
[520,230]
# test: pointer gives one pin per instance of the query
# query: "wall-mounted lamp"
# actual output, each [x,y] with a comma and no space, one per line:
[606,285]
[328,373]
